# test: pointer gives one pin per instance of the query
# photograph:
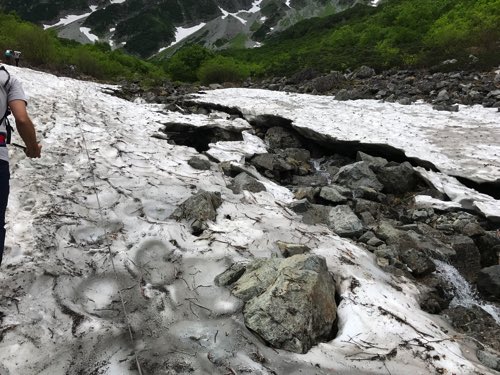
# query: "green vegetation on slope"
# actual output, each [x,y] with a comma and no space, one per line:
[43,49]
[399,33]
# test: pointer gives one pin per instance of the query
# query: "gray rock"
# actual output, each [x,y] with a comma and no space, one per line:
[368,193]
[198,162]
[398,179]
[468,259]
[489,248]
[312,180]
[356,175]
[291,249]
[366,236]
[300,206]
[259,276]
[364,72]
[343,95]
[489,359]
[271,162]
[328,82]
[198,209]
[231,275]
[375,242]
[281,138]
[293,301]
[488,282]
[335,194]
[419,263]
[372,161]
[317,214]
[310,193]
[443,96]
[245,182]
[472,230]
[344,222]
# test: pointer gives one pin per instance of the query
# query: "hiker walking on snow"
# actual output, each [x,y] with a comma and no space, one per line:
[17,55]
[13,99]
[8,56]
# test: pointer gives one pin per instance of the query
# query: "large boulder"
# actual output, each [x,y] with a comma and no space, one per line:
[357,175]
[326,83]
[198,209]
[290,302]
[488,282]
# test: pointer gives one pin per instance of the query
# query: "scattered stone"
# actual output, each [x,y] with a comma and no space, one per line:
[198,209]
[245,182]
[364,72]
[489,248]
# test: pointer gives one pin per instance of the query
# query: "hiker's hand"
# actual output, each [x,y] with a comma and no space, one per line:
[34,151]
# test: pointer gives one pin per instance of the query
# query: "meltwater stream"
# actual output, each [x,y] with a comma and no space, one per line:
[464,294]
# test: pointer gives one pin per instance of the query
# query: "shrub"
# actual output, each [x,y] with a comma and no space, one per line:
[185,63]
[223,69]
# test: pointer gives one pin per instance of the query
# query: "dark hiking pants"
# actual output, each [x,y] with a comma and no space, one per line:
[4,196]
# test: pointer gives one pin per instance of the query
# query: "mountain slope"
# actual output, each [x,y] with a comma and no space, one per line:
[143,27]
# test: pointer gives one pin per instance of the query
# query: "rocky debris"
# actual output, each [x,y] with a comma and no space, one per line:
[443,89]
[289,303]
[245,182]
[488,282]
[198,209]
[368,198]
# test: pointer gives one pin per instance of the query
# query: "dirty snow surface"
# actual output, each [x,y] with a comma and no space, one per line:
[61,295]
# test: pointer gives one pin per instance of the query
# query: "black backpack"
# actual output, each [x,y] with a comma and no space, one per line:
[5,118]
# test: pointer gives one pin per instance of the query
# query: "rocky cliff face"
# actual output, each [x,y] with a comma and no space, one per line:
[144,27]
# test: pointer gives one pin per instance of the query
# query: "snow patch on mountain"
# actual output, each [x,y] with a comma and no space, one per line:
[71,18]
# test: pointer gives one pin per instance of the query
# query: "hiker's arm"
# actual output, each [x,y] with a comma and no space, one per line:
[25,128]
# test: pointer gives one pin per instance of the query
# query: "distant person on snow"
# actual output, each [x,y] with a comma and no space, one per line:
[8,56]
[17,55]
[12,100]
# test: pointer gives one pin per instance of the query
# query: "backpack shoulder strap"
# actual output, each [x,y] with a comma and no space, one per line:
[7,109]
